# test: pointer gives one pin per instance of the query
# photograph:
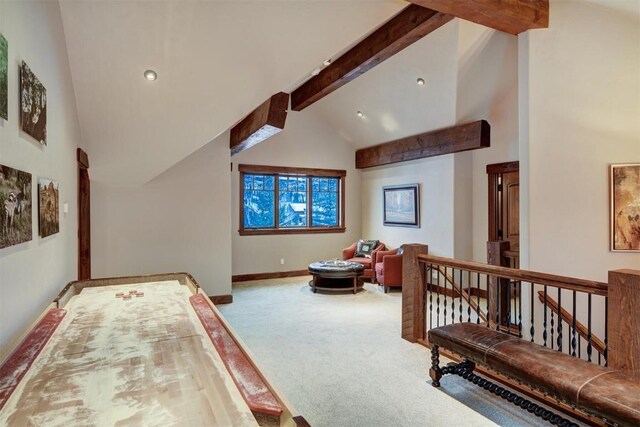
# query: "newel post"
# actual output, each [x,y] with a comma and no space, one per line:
[412,292]
[498,289]
[623,323]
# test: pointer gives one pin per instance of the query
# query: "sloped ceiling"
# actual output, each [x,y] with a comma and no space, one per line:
[216,61]
[393,104]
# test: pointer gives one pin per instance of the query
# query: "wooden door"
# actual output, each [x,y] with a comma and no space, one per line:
[504,205]
[510,224]
[84,217]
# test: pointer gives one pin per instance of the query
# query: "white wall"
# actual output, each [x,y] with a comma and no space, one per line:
[487,89]
[305,142]
[582,113]
[179,221]
[32,273]
[435,176]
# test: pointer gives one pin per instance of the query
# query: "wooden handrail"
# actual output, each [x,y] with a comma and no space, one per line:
[582,330]
[582,285]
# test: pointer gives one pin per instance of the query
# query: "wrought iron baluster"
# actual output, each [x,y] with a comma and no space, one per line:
[606,330]
[424,270]
[553,329]
[509,304]
[573,339]
[544,321]
[478,298]
[445,295]
[430,296]
[460,300]
[453,296]
[559,320]
[519,309]
[469,302]
[438,297]
[532,330]
[589,336]
[498,303]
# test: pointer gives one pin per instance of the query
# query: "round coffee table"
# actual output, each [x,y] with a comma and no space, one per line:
[336,276]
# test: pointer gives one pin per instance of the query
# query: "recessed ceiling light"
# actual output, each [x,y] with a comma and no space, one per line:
[150,75]
[327,62]
[359,113]
[420,81]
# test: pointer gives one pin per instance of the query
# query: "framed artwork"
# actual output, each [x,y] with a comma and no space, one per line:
[4,78]
[625,207]
[15,206]
[33,105]
[48,207]
[401,205]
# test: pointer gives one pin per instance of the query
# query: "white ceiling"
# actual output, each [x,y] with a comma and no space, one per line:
[216,62]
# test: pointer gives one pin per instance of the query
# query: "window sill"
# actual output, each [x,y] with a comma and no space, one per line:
[270,231]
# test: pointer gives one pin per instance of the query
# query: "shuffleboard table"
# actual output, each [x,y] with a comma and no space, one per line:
[144,350]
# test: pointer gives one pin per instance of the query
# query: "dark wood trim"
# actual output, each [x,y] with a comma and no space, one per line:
[83,158]
[221,299]
[287,170]
[522,388]
[272,231]
[582,285]
[404,29]
[84,216]
[504,167]
[262,123]
[300,421]
[510,16]
[273,275]
[456,139]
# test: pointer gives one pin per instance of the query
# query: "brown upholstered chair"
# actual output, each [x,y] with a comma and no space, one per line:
[348,254]
[388,268]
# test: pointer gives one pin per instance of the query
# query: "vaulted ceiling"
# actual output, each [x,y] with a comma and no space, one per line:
[216,61]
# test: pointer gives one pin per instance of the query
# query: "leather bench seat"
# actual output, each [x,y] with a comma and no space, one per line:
[604,392]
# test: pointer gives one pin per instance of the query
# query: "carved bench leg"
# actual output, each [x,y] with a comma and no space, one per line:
[435,372]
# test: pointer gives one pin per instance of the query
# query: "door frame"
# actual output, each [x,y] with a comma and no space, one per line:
[494,173]
[84,216]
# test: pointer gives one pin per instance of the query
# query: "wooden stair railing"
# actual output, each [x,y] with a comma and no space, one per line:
[465,295]
[582,330]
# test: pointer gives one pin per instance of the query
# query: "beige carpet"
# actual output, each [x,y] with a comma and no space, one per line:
[340,360]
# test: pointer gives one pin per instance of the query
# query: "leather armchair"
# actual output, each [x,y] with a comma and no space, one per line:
[388,268]
[348,254]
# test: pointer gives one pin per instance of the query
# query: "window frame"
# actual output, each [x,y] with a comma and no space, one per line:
[286,171]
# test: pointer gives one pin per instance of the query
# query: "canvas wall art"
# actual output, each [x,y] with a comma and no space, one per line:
[15,205]
[625,207]
[48,207]
[33,105]
[401,205]
[4,78]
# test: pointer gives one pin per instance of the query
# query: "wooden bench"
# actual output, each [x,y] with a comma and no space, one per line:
[252,387]
[606,393]
[18,363]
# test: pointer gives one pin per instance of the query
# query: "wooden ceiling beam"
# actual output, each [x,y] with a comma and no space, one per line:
[510,16]
[262,123]
[407,27]
[470,136]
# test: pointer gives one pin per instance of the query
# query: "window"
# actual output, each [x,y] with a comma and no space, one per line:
[282,200]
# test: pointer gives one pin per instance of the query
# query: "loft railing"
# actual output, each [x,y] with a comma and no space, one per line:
[505,299]
[562,313]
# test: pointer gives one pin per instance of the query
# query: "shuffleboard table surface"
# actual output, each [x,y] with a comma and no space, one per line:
[120,362]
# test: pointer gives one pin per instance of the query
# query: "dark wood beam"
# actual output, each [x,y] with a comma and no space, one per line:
[470,136]
[407,27]
[262,123]
[510,16]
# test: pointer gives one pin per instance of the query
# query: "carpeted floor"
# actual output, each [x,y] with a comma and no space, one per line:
[340,361]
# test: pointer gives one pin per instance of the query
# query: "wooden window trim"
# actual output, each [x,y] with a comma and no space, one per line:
[292,171]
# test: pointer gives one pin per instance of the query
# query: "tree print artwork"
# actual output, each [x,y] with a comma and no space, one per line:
[33,105]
